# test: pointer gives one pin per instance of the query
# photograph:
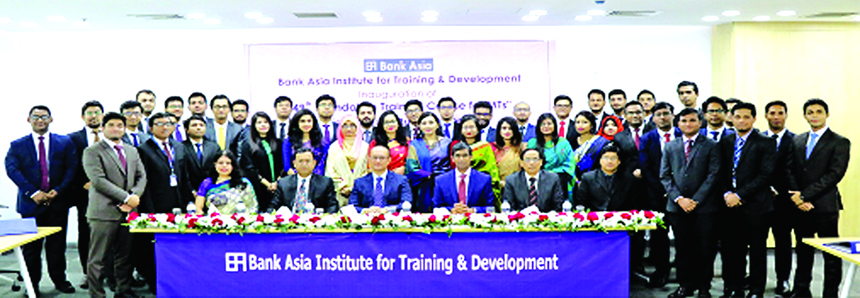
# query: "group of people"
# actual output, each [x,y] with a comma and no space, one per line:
[718,179]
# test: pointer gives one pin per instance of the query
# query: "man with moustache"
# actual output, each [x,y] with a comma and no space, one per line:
[617,101]
[132,112]
[522,112]
[484,112]
[562,105]
[146,98]
[647,99]
[366,113]
[197,105]
[92,113]
[596,102]
[447,106]
[283,109]
[784,211]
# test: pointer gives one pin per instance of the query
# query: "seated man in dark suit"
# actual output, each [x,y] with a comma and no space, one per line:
[607,188]
[295,191]
[533,186]
[463,190]
[381,188]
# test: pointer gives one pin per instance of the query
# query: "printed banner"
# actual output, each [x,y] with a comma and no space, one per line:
[527,264]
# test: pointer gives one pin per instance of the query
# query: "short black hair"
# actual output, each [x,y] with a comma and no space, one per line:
[93,103]
[611,146]
[560,98]
[444,99]
[460,146]
[303,149]
[597,91]
[39,107]
[130,104]
[157,116]
[217,97]
[663,105]
[239,102]
[633,103]
[540,152]
[112,116]
[776,103]
[714,99]
[144,91]
[325,97]
[413,102]
[688,111]
[645,91]
[187,122]
[617,92]
[482,104]
[688,83]
[733,100]
[813,101]
[172,99]
[196,94]
[744,105]
[282,98]
[365,104]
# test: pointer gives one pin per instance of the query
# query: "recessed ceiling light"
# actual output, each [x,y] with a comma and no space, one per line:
[596,12]
[375,19]
[196,16]
[253,15]
[265,20]
[786,13]
[429,19]
[711,18]
[537,12]
[29,24]
[371,14]
[56,19]
[582,18]
[4,20]
[731,13]
[81,23]
[761,18]
[212,21]
[430,13]
[530,18]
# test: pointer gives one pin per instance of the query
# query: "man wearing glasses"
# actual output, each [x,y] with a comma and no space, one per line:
[715,109]
[562,105]
[532,185]
[413,109]
[447,106]
[133,112]
[522,112]
[484,111]
[224,133]
[381,189]
[326,105]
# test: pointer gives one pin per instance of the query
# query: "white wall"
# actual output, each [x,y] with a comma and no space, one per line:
[64,69]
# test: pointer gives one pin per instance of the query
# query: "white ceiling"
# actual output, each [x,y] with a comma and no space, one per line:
[19,15]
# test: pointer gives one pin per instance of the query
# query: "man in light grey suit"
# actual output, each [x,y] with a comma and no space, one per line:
[689,171]
[117,179]
[224,133]
[533,186]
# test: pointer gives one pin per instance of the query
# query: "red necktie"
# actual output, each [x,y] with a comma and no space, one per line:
[667,137]
[636,138]
[167,151]
[561,130]
[461,190]
[43,165]
[687,150]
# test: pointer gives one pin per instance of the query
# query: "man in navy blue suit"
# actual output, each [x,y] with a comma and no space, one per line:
[381,188]
[463,190]
[42,165]
[715,110]
[522,112]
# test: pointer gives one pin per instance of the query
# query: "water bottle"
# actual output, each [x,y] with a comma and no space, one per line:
[177,211]
[319,211]
[309,207]
[567,206]
[490,209]
[240,208]
[506,207]
[191,208]
[406,207]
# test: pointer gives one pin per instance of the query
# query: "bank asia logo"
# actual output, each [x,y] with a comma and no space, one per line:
[398,65]
[236,261]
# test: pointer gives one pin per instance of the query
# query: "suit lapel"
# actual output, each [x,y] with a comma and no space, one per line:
[750,142]
[291,190]
[696,145]
[388,185]
[112,155]
[523,192]
[822,140]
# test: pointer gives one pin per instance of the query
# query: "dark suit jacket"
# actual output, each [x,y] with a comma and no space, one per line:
[333,133]
[779,178]
[256,163]
[22,166]
[649,126]
[570,129]
[198,170]
[753,173]
[479,191]
[550,195]
[817,177]
[696,180]
[594,193]
[159,196]
[110,182]
[491,134]
[650,156]
[234,135]
[624,140]
[76,188]
[141,138]
[321,193]
[529,133]
[395,191]
[726,132]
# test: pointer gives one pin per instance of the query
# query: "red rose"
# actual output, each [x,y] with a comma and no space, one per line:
[217,222]
[279,220]
[381,216]
[446,217]
[626,216]
[608,215]
[468,214]
[374,221]
[519,215]
[241,220]
[579,216]
[192,223]
[649,214]
[171,218]
[396,214]
[562,214]
[214,214]
[533,212]
[132,216]
[345,219]
[592,216]
[432,218]
[315,219]
[294,219]
[260,218]
[634,211]
[150,217]
[488,214]
[543,217]
[407,218]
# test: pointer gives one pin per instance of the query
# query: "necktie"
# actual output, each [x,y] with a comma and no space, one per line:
[461,190]
[367,136]
[687,150]
[167,152]
[302,200]
[377,193]
[95,136]
[776,138]
[43,164]
[523,131]
[282,130]
[121,156]
[739,145]
[813,138]
[199,152]
[636,138]
[327,134]
[667,137]
[415,132]
[178,135]
[714,135]
[532,191]
[133,137]
[561,130]
[447,130]
[222,138]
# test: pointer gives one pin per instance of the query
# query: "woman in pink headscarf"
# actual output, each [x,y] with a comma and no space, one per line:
[347,158]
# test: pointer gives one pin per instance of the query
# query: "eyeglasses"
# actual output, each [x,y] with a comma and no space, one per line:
[129,114]
[663,114]
[326,105]
[446,108]
[562,106]
[164,123]
[531,160]
[609,158]
[521,110]
[174,107]
[412,111]
[378,158]
[221,107]
[635,113]
[715,111]
[43,117]
[349,126]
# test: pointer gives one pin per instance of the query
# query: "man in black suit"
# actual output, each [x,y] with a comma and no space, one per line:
[296,191]
[146,98]
[596,102]
[607,188]
[167,186]
[92,113]
[366,113]
[747,163]
[562,105]
[784,211]
[200,152]
[688,94]
[413,110]
[715,110]
[484,112]
[689,171]
[544,192]
[819,163]
[647,99]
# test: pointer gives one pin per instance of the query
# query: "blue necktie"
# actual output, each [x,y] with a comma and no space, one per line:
[447,128]
[200,152]
[813,139]
[739,145]
[377,193]
[302,199]
[714,133]
[327,134]
[134,136]
[178,136]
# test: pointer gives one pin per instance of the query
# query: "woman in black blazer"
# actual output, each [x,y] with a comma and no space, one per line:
[261,159]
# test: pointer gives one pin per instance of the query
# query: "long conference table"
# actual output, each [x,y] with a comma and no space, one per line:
[385,262]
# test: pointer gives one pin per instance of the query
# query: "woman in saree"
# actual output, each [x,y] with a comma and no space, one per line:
[509,144]
[347,158]
[389,131]
[557,151]
[225,189]
[483,153]
[428,157]
[304,132]
[588,144]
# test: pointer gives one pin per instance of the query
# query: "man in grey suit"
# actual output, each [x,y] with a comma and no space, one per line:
[533,186]
[689,171]
[224,133]
[117,179]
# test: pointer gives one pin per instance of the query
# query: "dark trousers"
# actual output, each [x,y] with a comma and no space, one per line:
[107,237]
[695,242]
[144,256]
[80,203]
[659,240]
[742,233]
[824,225]
[55,247]
[783,222]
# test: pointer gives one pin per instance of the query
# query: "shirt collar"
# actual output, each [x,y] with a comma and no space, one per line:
[536,176]
[111,143]
[36,136]
[384,174]
[468,173]
[718,130]
[693,138]
[821,131]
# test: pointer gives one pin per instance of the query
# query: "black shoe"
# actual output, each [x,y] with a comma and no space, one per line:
[782,287]
[138,282]
[84,285]
[755,295]
[65,287]
[682,292]
[126,294]
[799,293]
[658,279]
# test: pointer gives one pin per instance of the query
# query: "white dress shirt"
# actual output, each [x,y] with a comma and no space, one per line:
[375,177]
[529,183]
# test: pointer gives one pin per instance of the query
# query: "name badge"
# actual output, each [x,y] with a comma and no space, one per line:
[173,182]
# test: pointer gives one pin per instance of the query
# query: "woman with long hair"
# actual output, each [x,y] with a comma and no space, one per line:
[304,132]
[483,153]
[261,159]
[556,151]
[389,131]
[347,157]
[588,144]
[509,144]
[428,157]
[226,189]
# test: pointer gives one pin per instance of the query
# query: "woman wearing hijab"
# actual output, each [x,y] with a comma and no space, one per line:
[347,158]
[612,126]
